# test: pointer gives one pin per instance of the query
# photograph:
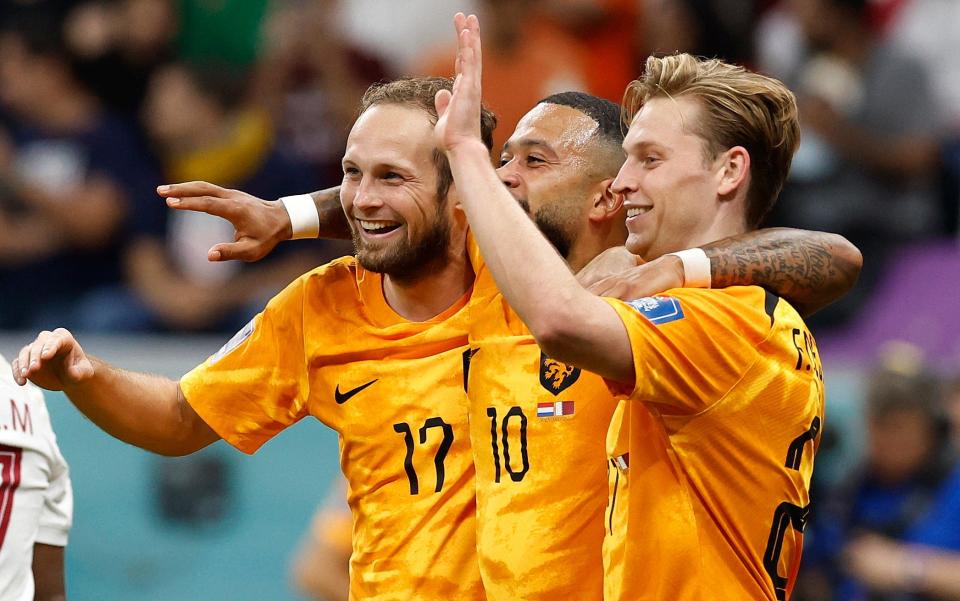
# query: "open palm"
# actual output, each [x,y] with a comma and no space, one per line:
[459,111]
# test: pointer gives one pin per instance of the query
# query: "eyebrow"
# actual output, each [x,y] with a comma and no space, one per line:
[527,143]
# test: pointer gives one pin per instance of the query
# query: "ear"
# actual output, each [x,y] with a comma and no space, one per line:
[605,204]
[733,172]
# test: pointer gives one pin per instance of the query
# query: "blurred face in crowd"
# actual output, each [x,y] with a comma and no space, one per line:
[666,179]
[25,79]
[174,110]
[389,192]
[899,444]
[548,167]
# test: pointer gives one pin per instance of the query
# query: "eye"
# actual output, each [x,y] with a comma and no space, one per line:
[534,160]
[650,161]
[351,172]
[392,175]
[504,159]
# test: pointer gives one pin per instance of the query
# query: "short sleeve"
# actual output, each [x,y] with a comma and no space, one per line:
[257,384]
[56,515]
[691,346]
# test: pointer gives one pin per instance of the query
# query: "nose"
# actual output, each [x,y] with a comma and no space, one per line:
[365,197]
[508,176]
[626,180]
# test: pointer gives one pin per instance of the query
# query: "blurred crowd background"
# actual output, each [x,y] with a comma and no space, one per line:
[102,100]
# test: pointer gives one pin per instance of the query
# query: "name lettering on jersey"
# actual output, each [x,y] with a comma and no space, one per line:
[556,376]
[658,309]
[238,338]
[20,420]
[557,409]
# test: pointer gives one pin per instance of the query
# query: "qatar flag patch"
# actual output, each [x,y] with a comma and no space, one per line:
[557,409]
[658,309]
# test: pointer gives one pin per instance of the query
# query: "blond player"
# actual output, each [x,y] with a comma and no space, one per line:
[711,450]
[534,422]
[371,346]
[36,498]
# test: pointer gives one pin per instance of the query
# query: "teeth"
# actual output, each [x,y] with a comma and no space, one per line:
[376,225]
[634,211]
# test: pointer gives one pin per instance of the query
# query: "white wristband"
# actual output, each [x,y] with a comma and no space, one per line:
[304,218]
[696,267]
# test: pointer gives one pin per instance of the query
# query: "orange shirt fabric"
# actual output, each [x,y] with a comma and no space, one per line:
[712,452]
[329,346]
[537,427]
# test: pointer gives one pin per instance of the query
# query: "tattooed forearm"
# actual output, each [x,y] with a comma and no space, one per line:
[333,222]
[809,269]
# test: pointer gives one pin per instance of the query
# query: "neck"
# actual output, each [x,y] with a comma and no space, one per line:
[726,225]
[440,286]
[594,241]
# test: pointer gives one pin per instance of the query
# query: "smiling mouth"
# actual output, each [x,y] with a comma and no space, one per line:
[377,228]
[637,211]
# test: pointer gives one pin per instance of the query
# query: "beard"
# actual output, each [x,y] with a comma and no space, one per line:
[551,223]
[407,260]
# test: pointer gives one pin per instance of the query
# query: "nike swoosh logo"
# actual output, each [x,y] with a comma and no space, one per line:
[343,397]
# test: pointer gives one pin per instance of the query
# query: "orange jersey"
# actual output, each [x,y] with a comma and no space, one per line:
[709,498]
[537,429]
[329,346]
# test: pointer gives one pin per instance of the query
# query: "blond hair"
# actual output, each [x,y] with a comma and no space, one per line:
[740,108]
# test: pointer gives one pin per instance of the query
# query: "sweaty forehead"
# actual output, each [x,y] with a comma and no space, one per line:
[391,129]
[557,126]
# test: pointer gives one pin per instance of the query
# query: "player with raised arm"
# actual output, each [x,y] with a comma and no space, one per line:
[371,346]
[711,451]
[536,423]
[36,498]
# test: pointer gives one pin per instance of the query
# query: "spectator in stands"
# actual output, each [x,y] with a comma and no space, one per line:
[868,164]
[312,77]
[203,129]
[892,532]
[525,58]
[70,175]
[118,45]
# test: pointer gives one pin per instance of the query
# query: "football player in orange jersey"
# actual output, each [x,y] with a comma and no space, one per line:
[371,346]
[711,451]
[534,421]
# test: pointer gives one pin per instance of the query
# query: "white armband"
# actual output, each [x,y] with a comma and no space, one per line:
[696,267]
[304,218]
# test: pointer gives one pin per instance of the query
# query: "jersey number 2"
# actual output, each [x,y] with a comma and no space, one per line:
[787,514]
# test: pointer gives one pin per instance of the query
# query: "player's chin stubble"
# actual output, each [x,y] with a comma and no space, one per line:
[407,260]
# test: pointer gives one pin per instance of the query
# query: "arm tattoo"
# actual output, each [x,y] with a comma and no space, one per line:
[809,269]
[333,222]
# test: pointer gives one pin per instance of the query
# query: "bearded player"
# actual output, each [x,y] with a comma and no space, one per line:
[371,346]
[712,448]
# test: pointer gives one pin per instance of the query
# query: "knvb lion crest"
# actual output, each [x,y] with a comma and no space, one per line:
[555,376]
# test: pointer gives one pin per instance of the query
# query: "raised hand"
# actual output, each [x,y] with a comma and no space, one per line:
[648,279]
[259,225]
[54,360]
[459,111]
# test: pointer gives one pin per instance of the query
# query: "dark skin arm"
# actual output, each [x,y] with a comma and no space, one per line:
[809,269]
[48,573]
[260,224]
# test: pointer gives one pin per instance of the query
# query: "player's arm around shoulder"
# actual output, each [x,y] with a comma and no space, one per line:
[143,410]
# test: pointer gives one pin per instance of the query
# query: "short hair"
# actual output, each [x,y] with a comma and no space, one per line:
[740,108]
[601,110]
[419,93]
